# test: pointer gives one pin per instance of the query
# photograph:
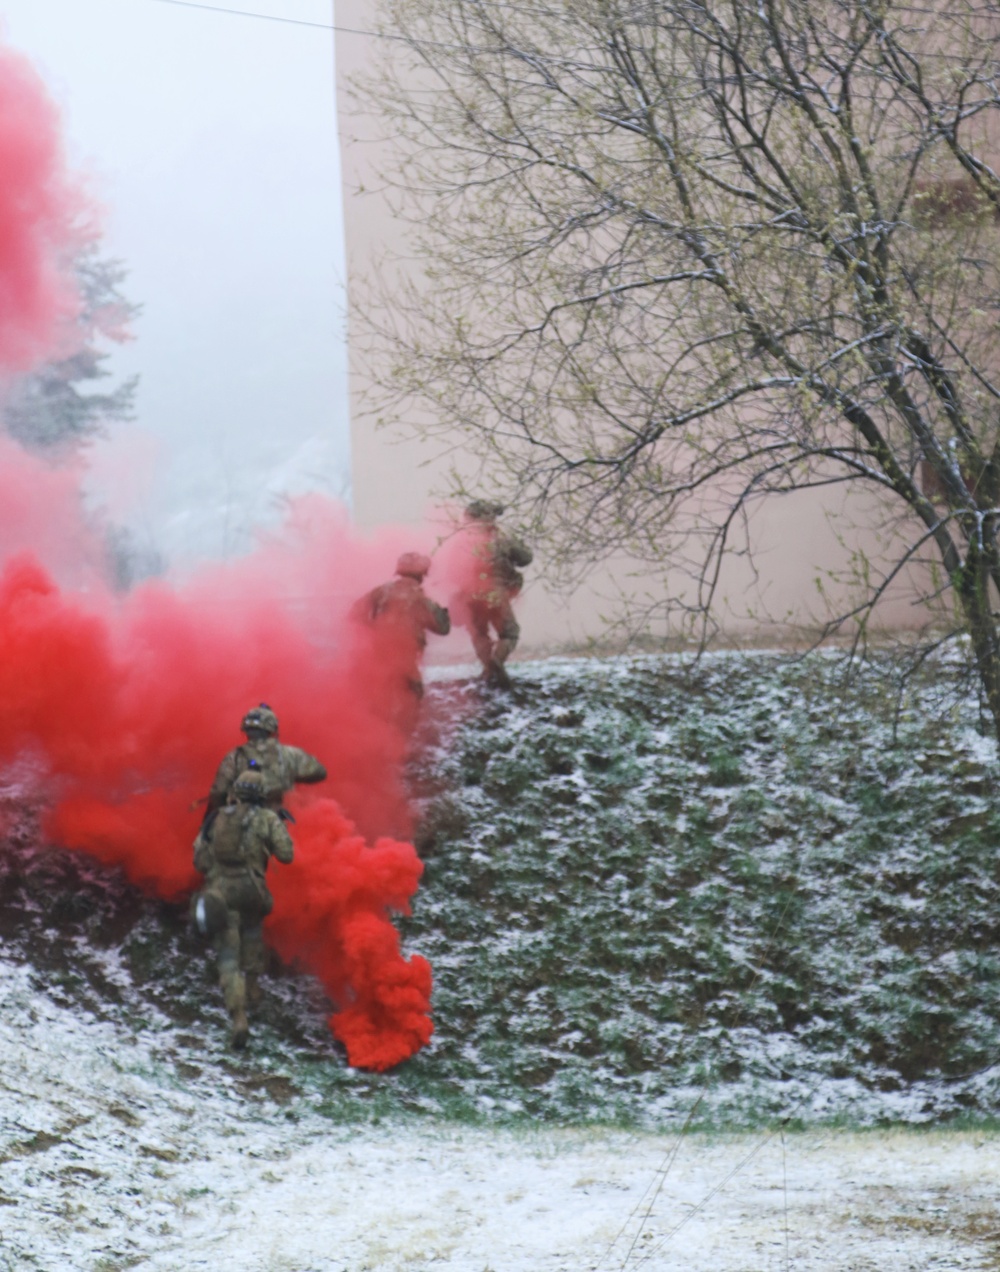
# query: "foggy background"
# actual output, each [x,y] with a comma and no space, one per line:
[210,142]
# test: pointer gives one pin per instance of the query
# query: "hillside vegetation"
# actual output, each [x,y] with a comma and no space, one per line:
[646,878]
[739,887]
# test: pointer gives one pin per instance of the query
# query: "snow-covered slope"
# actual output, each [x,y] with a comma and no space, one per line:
[745,884]
[656,900]
[647,890]
[115,1155]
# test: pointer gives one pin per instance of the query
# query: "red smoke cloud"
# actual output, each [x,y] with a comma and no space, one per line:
[128,704]
[38,207]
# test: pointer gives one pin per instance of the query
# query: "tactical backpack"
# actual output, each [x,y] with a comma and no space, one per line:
[228,838]
[228,830]
[267,762]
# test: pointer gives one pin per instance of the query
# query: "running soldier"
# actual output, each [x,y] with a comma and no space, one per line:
[500,581]
[232,851]
[403,612]
[282,766]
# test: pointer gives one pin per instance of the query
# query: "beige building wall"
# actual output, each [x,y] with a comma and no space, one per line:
[396,478]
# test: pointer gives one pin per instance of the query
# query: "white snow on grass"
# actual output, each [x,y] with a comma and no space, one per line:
[415,1198]
[762,866]
[107,1163]
[128,1140]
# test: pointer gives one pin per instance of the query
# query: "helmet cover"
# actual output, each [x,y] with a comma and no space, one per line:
[484,510]
[249,786]
[413,565]
[262,718]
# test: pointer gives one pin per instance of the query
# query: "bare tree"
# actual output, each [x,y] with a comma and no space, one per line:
[687,256]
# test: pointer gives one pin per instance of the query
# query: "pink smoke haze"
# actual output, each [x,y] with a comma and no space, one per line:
[126,705]
[40,209]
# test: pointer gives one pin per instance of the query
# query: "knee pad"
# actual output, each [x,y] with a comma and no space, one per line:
[209,915]
[509,630]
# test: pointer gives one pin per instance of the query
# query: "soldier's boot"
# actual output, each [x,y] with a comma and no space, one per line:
[234,992]
[496,675]
[484,652]
[254,993]
[498,670]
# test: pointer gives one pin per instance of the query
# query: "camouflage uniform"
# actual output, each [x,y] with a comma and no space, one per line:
[500,581]
[232,851]
[403,606]
[282,766]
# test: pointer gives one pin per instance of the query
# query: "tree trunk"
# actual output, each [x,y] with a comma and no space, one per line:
[974,594]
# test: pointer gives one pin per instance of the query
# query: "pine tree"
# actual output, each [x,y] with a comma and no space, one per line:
[58,406]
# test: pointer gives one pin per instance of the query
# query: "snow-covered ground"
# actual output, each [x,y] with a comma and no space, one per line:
[108,1161]
[633,888]
[642,873]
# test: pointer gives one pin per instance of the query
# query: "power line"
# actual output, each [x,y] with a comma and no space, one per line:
[317,26]
[266,17]
[328,26]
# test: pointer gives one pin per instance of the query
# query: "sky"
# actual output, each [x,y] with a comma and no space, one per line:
[209,141]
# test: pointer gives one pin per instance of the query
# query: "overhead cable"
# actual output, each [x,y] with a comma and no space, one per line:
[317,26]
[265,17]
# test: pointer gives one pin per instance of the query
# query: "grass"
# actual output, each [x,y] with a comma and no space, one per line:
[740,888]
[641,882]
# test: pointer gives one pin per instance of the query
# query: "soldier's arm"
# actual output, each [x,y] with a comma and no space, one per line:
[438,620]
[226,774]
[278,839]
[519,553]
[363,609]
[303,766]
[202,854]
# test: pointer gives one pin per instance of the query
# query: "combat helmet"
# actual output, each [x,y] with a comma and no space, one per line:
[250,787]
[262,718]
[413,565]
[484,510]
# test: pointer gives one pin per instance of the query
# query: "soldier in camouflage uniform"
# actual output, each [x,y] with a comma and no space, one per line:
[282,766]
[500,580]
[402,606]
[232,851]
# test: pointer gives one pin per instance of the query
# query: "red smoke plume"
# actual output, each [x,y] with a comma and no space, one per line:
[38,206]
[128,704]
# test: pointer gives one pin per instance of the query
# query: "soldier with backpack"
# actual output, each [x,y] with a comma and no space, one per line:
[401,614]
[282,766]
[233,849]
[501,557]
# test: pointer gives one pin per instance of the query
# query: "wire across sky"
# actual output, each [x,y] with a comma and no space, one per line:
[264,17]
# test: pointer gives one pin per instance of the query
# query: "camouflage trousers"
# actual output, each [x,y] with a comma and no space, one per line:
[239,947]
[498,614]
